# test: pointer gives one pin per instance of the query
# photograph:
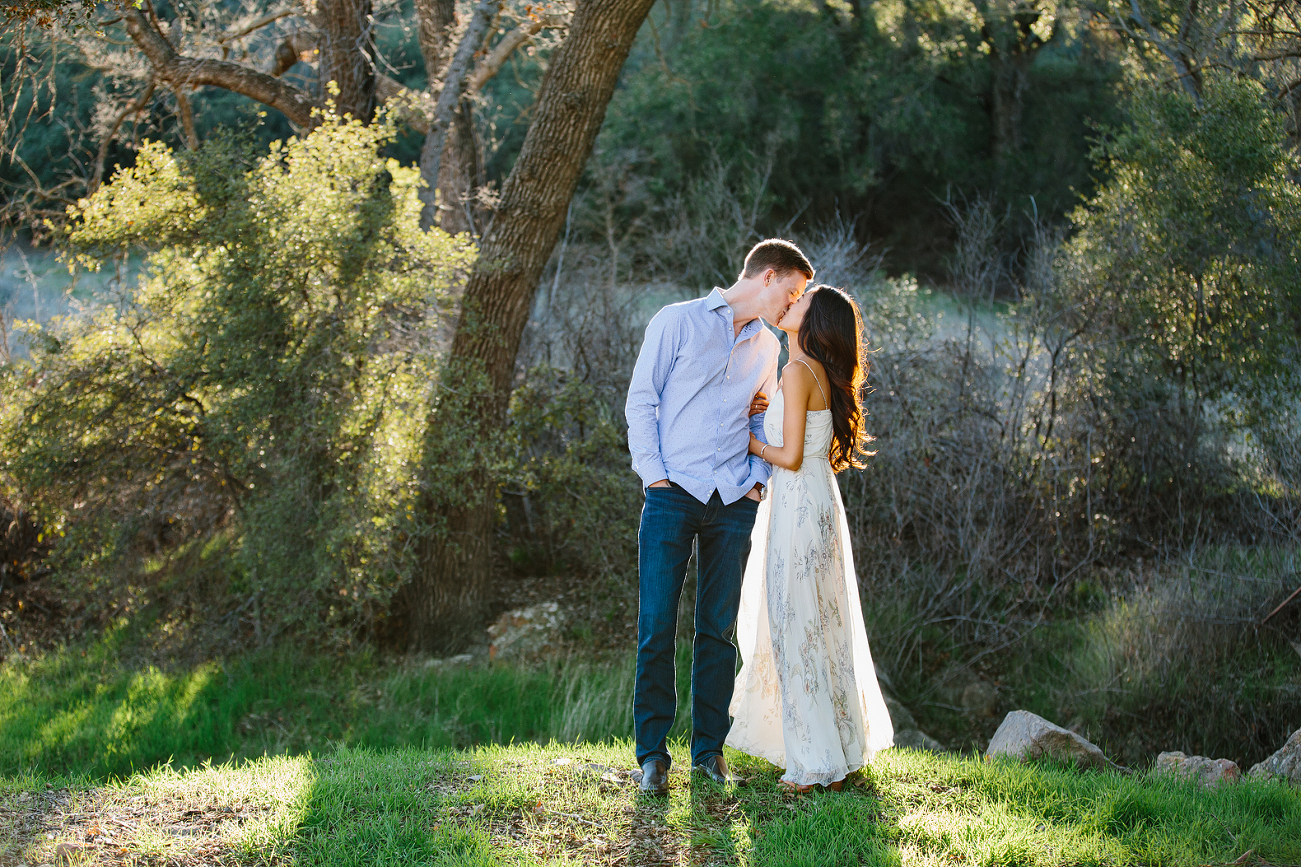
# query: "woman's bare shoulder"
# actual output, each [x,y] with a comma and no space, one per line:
[804,369]
[814,365]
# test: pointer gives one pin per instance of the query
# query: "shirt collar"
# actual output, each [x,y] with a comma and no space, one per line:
[714,301]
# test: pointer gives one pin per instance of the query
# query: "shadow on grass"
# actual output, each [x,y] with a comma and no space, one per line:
[97,710]
[530,805]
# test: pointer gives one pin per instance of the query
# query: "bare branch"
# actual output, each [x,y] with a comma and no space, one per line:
[186,112]
[509,44]
[140,103]
[256,25]
[178,70]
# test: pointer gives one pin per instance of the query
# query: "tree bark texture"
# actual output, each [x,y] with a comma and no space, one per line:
[450,98]
[347,57]
[1010,74]
[451,590]
[434,22]
[459,174]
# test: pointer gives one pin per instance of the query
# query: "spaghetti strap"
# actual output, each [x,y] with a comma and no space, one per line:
[815,379]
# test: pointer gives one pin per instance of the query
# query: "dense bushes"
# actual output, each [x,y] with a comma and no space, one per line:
[270,373]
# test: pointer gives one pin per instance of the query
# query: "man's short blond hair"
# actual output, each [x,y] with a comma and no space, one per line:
[781,256]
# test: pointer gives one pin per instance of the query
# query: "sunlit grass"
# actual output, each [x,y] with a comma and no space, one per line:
[93,710]
[555,804]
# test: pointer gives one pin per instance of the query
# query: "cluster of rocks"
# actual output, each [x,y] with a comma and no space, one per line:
[538,630]
[1024,735]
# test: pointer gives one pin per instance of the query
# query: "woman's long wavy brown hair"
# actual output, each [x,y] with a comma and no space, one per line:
[832,333]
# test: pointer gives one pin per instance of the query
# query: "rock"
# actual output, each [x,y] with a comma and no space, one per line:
[1024,735]
[900,717]
[962,688]
[68,853]
[450,661]
[916,739]
[906,733]
[526,632]
[1206,772]
[1285,763]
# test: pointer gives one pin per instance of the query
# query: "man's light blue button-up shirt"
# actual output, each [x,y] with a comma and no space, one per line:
[689,396]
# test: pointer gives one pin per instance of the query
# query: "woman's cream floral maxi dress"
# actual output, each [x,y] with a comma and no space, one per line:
[806,699]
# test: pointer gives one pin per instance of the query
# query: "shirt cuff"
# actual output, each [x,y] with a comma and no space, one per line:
[651,470]
[760,471]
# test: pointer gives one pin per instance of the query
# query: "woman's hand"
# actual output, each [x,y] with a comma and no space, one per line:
[759,403]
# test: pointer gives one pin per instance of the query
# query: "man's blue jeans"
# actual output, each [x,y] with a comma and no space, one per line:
[671,521]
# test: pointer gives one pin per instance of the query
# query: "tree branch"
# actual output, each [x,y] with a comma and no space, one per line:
[98,176]
[179,70]
[449,99]
[501,52]
[299,45]
[1184,74]
[186,112]
[414,108]
[256,25]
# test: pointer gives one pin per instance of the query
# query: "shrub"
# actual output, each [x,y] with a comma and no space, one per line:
[269,372]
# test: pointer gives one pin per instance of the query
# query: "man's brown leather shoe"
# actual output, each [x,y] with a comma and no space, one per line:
[715,768]
[654,778]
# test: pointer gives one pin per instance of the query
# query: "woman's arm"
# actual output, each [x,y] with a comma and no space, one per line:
[797,385]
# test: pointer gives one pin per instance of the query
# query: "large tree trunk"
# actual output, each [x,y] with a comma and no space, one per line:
[450,592]
[1010,74]
[1007,29]
[347,58]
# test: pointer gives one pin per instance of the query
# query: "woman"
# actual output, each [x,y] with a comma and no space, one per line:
[807,698]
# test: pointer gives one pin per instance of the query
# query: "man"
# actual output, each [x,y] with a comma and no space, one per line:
[689,434]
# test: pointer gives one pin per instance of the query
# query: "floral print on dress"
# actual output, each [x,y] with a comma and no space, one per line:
[806,698]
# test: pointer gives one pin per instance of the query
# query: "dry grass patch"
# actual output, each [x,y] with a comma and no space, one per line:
[206,816]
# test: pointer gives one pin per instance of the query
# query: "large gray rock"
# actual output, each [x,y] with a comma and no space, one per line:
[1024,735]
[1206,772]
[1285,763]
[526,633]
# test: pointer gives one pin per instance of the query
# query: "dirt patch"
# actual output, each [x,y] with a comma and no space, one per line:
[100,826]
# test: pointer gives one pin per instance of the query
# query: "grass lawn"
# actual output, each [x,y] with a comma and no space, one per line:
[576,804]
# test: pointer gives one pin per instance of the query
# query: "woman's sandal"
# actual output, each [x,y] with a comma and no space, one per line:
[789,788]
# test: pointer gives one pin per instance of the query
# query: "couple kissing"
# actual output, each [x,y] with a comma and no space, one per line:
[750,486]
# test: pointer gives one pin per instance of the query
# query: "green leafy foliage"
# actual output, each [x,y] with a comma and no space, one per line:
[271,370]
[1191,252]
[571,501]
